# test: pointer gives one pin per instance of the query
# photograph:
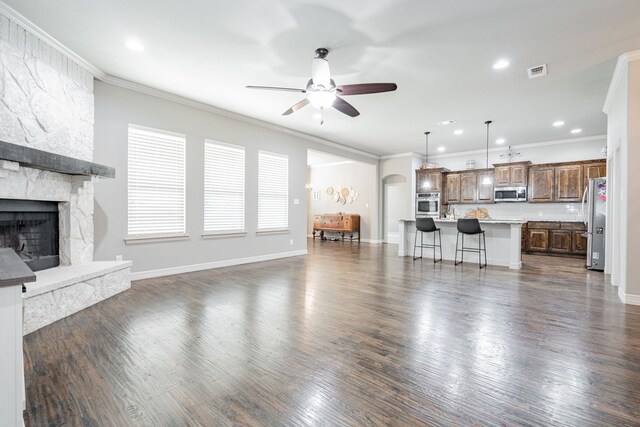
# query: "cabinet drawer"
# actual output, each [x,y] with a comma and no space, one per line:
[573,226]
[544,225]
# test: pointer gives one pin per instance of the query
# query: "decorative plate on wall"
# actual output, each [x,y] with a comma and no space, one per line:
[336,197]
[349,199]
[330,191]
[344,192]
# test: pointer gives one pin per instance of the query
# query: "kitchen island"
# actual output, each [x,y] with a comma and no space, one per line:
[503,241]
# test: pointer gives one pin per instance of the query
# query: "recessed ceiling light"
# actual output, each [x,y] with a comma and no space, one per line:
[441,149]
[134,45]
[445,122]
[558,123]
[574,131]
[500,141]
[317,116]
[503,63]
[458,132]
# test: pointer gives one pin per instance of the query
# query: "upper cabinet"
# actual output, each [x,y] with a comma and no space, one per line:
[594,170]
[562,182]
[452,188]
[569,183]
[541,183]
[432,176]
[468,187]
[511,174]
[485,191]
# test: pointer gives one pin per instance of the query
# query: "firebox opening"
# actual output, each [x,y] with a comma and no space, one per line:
[31,229]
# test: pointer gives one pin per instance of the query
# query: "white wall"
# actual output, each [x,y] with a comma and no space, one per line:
[116,107]
[545,152]
[363,178]
[623,109]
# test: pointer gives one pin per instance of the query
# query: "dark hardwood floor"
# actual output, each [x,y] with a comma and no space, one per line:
[350,335]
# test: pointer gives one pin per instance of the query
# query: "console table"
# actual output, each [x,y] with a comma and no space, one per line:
[13,274]
[342,224]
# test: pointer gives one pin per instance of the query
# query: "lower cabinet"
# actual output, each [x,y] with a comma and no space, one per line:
[555,238]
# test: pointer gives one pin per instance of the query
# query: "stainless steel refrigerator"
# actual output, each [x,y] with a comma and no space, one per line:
[594,212]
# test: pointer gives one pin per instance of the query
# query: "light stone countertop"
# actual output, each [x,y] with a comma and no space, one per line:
[482,221]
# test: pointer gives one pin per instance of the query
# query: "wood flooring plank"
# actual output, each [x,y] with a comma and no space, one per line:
[352,334]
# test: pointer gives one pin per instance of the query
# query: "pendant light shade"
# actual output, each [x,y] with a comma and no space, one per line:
[426,184]
[487,179]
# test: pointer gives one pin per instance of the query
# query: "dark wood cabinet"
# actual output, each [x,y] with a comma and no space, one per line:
[560,241]
[541,183]
[569,183]
[468,187]
[452,188]
[537,240]
[555,238]
[432,176]
[579,242]
[485,191]
[511,174]
[594,170]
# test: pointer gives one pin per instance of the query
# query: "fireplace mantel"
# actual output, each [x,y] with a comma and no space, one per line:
[39,159]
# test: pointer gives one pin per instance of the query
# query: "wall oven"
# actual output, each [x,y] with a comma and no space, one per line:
[510,194]
[427,204]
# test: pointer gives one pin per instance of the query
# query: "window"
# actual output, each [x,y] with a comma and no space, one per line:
[273,191]
[156,184]
[223,187]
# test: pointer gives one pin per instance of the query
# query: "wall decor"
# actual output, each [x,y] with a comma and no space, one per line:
[316,195]
[343,195]
[330,191]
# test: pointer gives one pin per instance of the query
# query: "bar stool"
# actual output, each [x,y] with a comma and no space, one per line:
[427,225]
[471,227]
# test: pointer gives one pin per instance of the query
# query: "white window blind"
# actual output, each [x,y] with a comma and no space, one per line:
[223,187]
[273,191]
[156,183]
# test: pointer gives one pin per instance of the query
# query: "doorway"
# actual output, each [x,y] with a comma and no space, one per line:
[395,197]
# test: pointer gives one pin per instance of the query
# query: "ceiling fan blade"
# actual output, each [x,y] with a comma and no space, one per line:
[320,72]
[344,107]
[365,88]
[286,89]
[296,107]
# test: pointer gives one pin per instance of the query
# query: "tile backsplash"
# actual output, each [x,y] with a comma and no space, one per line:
[528,211]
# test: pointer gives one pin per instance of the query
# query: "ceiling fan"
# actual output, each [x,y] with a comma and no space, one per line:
[322,91]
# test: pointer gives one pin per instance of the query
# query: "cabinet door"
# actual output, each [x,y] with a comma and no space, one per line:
[518,176]
[503,176]
[453,188]
[541,184]
[485,191]
[578,242]
[560,241]
[435,178]
[538,240]
[593,170]
[569,183]
[468,187]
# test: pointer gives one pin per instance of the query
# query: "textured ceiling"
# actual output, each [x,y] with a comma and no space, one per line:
[439,53]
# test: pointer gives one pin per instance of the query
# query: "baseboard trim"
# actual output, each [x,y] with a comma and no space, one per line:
[630,299]
[149,274]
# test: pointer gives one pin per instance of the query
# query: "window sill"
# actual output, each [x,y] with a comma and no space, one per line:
[272,231]
[137,240]
[223,234]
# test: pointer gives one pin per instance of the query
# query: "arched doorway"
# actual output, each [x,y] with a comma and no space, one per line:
[395,195]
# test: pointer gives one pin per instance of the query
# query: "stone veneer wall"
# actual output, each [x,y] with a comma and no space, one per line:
[47,99]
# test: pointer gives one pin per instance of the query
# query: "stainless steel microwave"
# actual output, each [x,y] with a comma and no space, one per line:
[510,194]
[428,204]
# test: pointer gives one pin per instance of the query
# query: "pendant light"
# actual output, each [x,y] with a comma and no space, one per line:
[426,184]
[487,179]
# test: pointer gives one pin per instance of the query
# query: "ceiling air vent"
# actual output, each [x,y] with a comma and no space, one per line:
[539,71]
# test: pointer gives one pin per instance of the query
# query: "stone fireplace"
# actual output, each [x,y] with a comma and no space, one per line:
[46,154]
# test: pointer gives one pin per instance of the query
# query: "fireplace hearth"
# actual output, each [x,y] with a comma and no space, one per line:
[30,228]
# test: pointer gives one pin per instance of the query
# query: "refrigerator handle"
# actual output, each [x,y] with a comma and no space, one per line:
[584,199]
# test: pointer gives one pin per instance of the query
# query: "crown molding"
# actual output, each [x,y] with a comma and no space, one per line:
[394,156]
[520,146]
[324,165]
[147,90]
[623,61]
[46,37]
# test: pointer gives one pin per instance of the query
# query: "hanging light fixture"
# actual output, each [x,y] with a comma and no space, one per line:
[487,178]
[426,184]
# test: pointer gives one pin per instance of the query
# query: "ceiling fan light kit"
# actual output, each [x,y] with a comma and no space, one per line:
[322,91]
